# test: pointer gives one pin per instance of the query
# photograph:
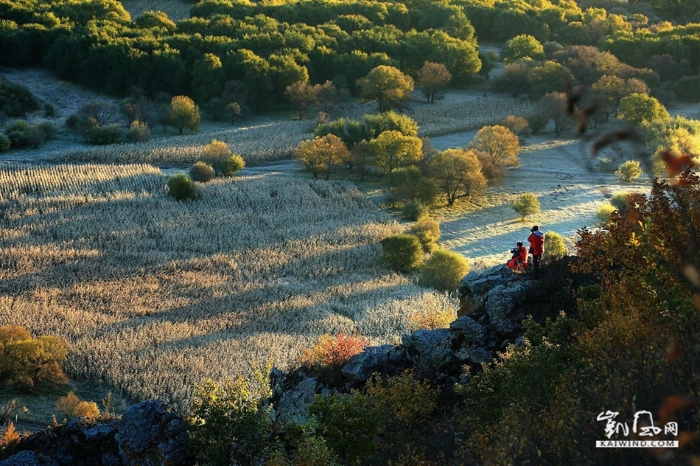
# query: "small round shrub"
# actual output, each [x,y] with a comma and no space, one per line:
[49,129]
[427,231]
[103,135]
[414,211]
[403,253]
[629,170]
[228,166]
[443,270]
[527,204]
[554,247]
[201,171]
[181,187]
[604,213]
[5,143]
[139,132]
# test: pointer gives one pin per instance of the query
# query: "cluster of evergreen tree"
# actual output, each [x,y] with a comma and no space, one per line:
[266,47]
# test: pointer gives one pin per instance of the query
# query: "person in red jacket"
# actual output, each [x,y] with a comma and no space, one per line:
[536,240]
[519,259]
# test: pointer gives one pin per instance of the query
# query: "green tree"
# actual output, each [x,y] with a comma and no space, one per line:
[183,113]
[181,187]
[392,149]
[432,79]
[385,85]
[641,109]
[526,204]
[500,143]
[522,46]
[322,154]
[443,270]
[457,173]
[403,253]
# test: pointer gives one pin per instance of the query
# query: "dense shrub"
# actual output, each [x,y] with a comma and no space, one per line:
[103,135]
[554,247]
[139,132]
[349,424]
[228,422]
[18,133]
[443,270]
[414,211]
[16,100]
[427,230]
[604,213]
[72,406]
[629,170]
[525,205]
[332,350]
[26,362]
[409,184]
[537,123]
[181,187]
[619,200]
[403,253]
[5,143]
[49,129]
[201,171]
[230,165]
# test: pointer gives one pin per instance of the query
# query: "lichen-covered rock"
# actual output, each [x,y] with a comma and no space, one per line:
[360,367]
[469,330]
[293,403]
[153,433]
[430,350]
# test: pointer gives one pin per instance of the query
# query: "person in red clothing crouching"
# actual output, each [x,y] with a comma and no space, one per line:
[519,259]
[536,240]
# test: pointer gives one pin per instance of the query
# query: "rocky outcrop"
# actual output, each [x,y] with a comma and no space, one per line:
[489,319]
[494,298]
[150,433]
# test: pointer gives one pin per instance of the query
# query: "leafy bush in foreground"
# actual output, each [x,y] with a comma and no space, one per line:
[554,247]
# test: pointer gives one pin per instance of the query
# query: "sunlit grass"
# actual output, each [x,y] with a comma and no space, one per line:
[155,295]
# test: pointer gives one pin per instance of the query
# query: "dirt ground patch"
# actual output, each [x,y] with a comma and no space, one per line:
[557,171]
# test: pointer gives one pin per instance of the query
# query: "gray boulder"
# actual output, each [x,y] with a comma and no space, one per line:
[153,433]
[469,329]
[360,367]
[430,350]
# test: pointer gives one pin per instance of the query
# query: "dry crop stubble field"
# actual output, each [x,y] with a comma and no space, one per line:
[154,295]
